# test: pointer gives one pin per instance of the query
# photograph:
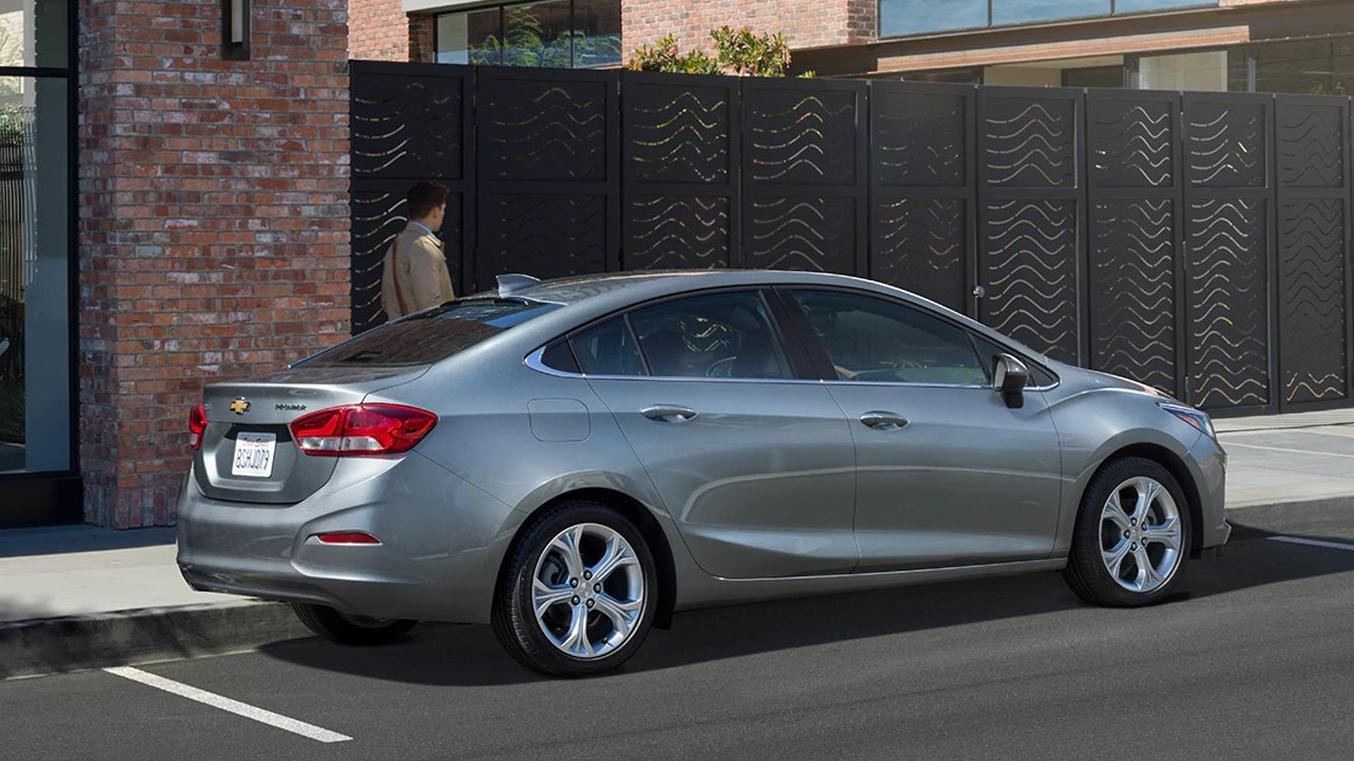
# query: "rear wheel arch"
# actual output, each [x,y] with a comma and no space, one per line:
[636,513]
[1172,462]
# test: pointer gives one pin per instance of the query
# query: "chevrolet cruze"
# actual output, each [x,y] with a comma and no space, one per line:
[573,461]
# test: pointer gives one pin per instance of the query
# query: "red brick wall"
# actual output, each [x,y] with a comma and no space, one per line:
[806,23]
[379,30]
[213,223]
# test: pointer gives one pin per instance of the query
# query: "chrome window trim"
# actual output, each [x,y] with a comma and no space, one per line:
[534,360]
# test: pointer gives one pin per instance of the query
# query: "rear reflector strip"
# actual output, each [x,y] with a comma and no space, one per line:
[347,537]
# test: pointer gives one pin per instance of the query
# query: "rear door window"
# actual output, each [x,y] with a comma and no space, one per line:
[431,336]
[716,335]
[607,349]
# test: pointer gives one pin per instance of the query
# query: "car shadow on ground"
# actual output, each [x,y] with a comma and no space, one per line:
[470,656]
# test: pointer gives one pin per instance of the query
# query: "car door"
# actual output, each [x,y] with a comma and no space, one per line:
[755,465]
[947,474]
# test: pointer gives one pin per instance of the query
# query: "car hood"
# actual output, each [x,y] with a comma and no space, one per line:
[1077,380]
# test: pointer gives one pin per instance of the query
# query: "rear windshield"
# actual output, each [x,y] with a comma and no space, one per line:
[427,337]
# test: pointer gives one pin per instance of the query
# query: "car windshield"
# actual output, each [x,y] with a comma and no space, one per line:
[432,335]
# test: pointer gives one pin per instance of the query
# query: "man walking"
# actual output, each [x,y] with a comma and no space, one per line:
[415,275]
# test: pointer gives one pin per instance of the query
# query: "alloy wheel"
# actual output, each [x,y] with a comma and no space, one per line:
[1141,535]
[588,591]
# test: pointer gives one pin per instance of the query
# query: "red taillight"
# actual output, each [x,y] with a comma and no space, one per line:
[197,425]
[361,429]
[347,537]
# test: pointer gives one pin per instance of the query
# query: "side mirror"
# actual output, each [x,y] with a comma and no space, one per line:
[1009,376]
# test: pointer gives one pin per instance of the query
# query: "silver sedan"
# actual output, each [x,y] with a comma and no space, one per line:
[574,461]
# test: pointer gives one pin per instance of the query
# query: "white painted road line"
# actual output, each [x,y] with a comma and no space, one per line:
[1313,543]
[231,706]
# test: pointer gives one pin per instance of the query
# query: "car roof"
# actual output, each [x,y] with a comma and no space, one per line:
[571,290]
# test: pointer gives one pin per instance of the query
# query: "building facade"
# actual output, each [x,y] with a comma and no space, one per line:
[173,209]
[1304,46]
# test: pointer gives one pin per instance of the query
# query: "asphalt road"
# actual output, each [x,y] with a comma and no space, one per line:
[1254,661]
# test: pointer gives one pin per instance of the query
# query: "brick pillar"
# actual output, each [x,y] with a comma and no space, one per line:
[213,224]
[379,30]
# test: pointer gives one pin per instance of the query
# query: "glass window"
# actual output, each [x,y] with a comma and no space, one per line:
[608,349]
[909,17]
[871,339]
[469,37]
[430,336]
[1196,72]
[35,404]
[597,32]
[720,335]
[1308,67]
[33,34]
[1095,76]
[558,356]
[537,34]
[902,17]
[1025,11]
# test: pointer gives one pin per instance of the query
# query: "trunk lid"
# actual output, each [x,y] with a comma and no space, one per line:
[248,454]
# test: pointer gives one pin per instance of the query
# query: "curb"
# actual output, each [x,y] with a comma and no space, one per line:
[1298,516]
[72,643]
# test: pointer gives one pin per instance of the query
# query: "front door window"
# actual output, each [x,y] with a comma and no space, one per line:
[873,340]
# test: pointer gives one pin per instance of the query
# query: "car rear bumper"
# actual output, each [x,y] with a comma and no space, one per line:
[442,541]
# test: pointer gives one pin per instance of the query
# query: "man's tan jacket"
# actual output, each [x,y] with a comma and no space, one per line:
[415,275]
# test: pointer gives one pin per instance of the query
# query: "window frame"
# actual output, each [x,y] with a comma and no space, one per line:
[801,367]
[822,359]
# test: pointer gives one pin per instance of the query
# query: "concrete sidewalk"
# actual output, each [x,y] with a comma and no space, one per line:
[78,596]
[74,597]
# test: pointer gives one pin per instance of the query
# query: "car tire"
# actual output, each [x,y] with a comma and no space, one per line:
[588,624]
[350,630]
[1131,557]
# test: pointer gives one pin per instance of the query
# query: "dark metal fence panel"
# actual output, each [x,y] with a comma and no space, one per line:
[1133,242]
[1031,196]
[1228,271]
[409,122]
[805,175]
[549,174]
[922,225]
[1199,243]
[1311,138]
[681,159]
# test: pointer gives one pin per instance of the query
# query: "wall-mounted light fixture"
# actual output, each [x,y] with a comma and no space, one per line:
[235,29]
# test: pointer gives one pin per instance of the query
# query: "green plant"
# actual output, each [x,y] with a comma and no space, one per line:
[737,51]
[741,52]
[664,55]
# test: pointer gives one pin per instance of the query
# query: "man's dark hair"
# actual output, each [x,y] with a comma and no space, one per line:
[423,197]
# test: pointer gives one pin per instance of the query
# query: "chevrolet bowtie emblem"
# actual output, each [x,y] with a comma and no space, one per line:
[239,406]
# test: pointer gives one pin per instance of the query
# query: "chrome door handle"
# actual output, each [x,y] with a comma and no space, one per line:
[882,420]
[668,413]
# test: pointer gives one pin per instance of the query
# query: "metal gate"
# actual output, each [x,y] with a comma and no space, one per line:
[1197,242]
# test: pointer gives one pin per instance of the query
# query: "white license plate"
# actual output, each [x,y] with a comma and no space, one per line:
[254,455]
